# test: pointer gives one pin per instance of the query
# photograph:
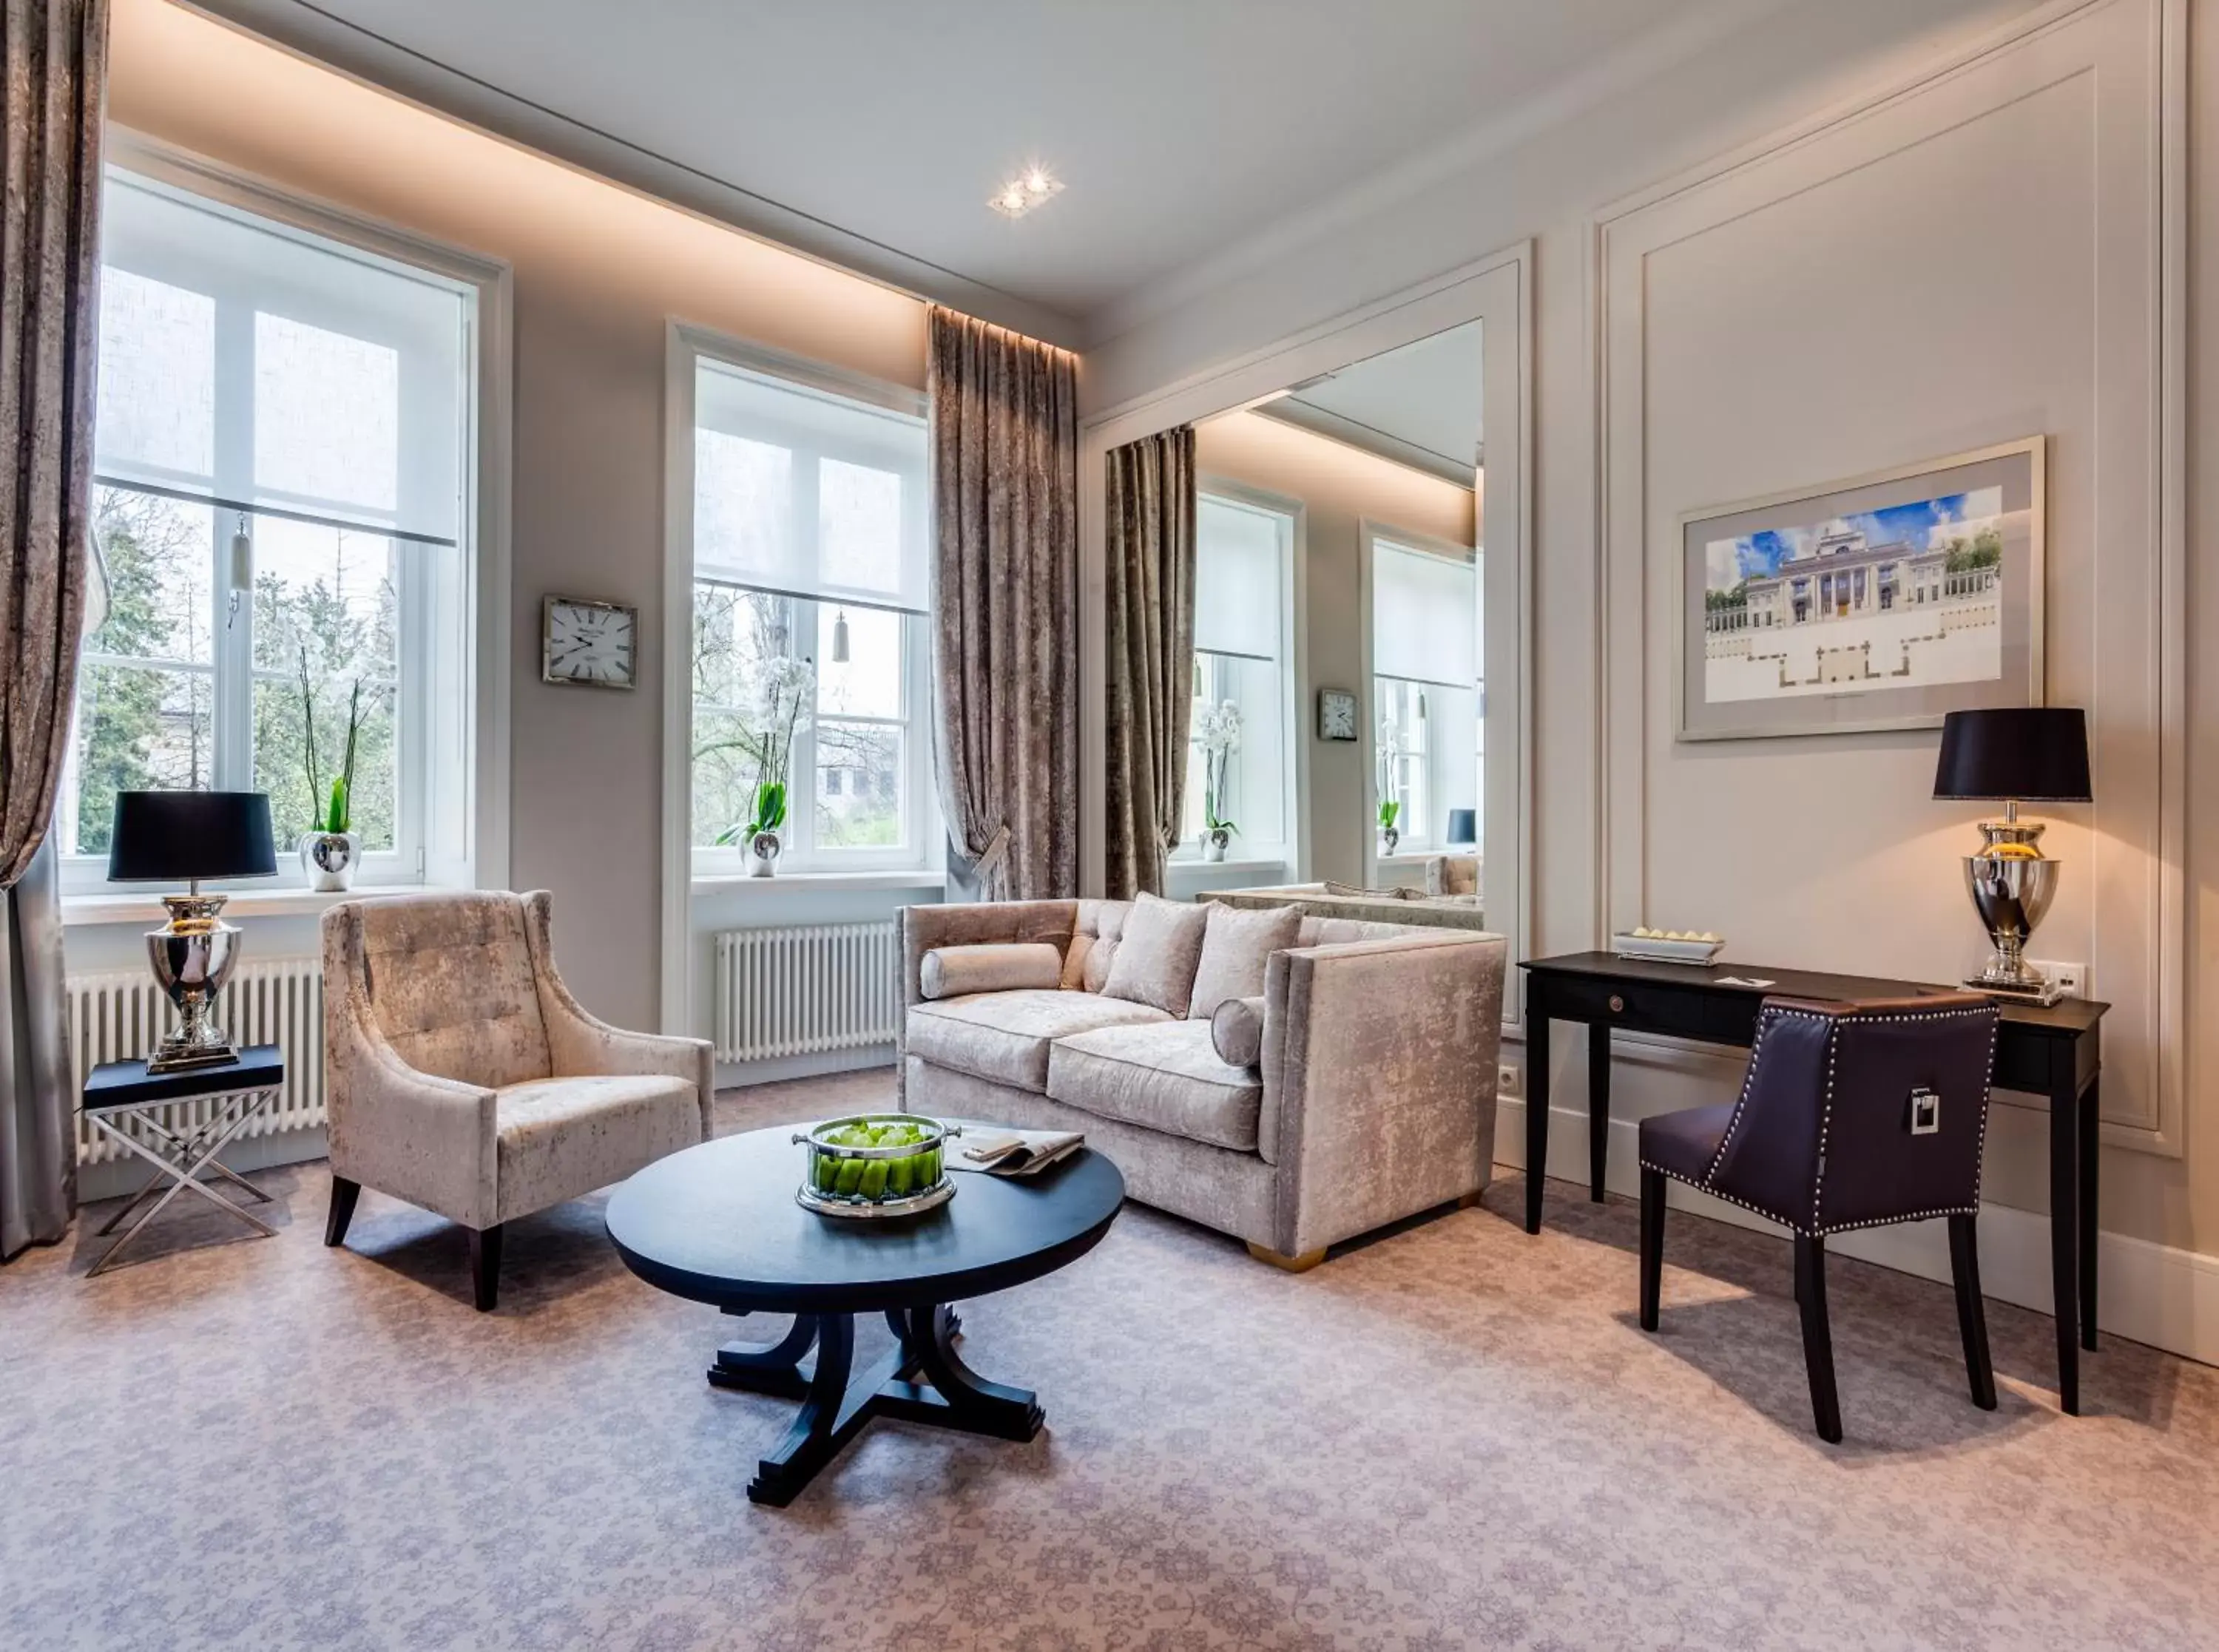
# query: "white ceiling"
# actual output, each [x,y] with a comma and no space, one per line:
[1423,404]
[1178,127]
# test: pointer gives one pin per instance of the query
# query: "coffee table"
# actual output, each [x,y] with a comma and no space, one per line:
[718,1224]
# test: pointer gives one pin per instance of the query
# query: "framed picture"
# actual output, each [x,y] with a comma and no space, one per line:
[1880,602]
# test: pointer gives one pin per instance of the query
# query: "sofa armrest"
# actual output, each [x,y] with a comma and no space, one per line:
[1379,1078]
[431,1141]
[966,923]
[580,1045]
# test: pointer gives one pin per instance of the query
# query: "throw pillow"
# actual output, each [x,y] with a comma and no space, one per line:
[1157,953]
[951,972]
[1236,1032]
[1236,946]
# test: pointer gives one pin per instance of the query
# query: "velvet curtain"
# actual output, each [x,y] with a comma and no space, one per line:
[53,54]
[1149,569]
[1005,607]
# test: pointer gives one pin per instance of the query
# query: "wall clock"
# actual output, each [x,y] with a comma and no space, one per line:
[1336,714]
[581,641]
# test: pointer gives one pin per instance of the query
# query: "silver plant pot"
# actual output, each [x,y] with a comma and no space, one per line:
[1214,843]
[762,855]
[330,860]
[1389,837]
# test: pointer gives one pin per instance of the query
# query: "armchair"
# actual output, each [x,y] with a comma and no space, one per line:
[462,1076]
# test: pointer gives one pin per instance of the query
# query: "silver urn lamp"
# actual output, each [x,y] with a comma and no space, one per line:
[166,837]
[2013,755]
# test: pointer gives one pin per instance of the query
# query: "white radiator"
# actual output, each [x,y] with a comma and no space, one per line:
[796,991]
[269,1001]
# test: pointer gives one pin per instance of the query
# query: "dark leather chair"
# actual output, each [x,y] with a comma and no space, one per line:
[1852,1115]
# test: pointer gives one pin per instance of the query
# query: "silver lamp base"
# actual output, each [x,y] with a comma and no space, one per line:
[2013,885]
[192,955]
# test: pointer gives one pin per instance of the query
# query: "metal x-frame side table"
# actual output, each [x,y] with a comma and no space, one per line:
[119,1094]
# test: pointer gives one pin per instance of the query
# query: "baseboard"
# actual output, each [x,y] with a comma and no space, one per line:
[115,1177]
[2154,1294]
[735,1074]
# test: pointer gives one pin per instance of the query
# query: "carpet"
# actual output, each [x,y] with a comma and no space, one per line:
[1453,1435]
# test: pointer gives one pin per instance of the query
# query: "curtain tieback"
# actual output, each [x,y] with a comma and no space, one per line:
[990,858]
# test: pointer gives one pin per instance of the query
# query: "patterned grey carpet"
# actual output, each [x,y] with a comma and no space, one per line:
[1452,1437]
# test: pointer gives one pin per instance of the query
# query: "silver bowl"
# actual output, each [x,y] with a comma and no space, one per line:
[838,1180]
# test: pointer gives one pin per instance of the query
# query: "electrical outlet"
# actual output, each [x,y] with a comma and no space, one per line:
[2073,978]
[1506,1080]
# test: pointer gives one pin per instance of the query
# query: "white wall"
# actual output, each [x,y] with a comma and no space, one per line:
[1974,261]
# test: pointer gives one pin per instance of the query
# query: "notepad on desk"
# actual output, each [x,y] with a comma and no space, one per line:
[1018,1152]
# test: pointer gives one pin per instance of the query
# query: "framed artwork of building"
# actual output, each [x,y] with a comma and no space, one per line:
[1880,602]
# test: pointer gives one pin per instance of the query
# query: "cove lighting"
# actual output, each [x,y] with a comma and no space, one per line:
[1025,191]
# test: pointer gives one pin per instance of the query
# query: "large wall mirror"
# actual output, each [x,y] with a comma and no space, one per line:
[1356,689]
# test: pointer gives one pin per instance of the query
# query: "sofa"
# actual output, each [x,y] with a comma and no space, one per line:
[1366,1094]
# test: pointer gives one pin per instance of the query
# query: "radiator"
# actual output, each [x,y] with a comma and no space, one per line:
[796,991]
[269,1001]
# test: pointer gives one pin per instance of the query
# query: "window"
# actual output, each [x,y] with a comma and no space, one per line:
[809,551]
[1426,685]
[281,444]
[1244,555]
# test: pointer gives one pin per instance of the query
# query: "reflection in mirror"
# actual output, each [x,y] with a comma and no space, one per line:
[1336,532]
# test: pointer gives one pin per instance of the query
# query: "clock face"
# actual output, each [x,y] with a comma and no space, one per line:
[1336,714]
[589,642]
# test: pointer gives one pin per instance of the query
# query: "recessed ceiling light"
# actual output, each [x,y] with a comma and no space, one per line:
[1025,191]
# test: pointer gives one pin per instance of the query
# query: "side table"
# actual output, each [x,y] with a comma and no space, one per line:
[119,1093]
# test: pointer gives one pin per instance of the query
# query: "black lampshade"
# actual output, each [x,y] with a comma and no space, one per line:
[164,837]
[1463,825]
[2033,754]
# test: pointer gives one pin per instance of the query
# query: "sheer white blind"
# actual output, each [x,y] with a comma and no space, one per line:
[343,375]
[1236,579]
[808,493]
[1424,615]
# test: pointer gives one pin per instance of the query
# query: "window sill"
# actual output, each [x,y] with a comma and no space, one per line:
[888,878]
[80,910]
[1256,863]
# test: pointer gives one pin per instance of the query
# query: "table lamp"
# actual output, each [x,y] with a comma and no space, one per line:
[168,835]
[1463,826]
[2021,754]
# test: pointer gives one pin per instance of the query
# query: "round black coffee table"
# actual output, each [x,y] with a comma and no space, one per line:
[718,1224]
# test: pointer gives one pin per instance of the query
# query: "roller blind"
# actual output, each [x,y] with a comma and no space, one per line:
[342,377]
[808,492]
[1424,615]
[1238,552]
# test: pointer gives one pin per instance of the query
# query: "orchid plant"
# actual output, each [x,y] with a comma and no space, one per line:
[1218,734]
[332,813]
[784,695]
[1389,749]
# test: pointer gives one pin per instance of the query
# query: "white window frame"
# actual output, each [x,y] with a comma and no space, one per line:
[1287,849]
[1413,845]
[471,782]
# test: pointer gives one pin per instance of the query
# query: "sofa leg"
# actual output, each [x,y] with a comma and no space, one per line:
[1301,1263]
[344,1194]
[485,1265]
[1471,1200]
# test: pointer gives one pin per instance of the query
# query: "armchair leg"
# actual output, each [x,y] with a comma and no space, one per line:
[1301,1263]
[1652,1245]
[1818,1335]
[1972,1316]
[485,1265]
[344,1194]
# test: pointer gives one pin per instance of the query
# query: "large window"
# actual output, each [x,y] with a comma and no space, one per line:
[1243,564]
[281,446]
[1426,688]
[809,569]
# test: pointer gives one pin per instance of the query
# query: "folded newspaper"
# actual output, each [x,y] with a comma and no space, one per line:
[1016,1152]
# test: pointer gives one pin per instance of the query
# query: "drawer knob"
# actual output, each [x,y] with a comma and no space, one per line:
[1617,1004]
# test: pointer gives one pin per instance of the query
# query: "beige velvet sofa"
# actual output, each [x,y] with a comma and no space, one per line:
[1373,1098]
[460,1074]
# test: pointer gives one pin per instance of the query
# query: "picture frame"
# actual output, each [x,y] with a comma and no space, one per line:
[1878,602]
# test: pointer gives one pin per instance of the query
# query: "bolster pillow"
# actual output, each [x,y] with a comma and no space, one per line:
[952,971]
[1236,1030]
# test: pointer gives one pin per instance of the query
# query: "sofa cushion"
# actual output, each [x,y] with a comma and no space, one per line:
[1236,1032]
[1165,1077]
[1236,943]
[559,1137]
[1156,954]
[955,972]
[1005,1036]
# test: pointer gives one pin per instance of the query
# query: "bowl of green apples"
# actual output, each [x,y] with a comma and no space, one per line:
[875,1164]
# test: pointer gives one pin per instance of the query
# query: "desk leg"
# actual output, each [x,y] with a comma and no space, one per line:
[2065,1238]
[2090,1152]
[1597,1107]
[1537,1108]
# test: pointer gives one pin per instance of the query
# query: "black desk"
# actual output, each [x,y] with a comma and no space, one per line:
[2054,1052]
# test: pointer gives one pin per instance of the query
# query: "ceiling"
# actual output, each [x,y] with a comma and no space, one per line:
[873,131]
[1421,405]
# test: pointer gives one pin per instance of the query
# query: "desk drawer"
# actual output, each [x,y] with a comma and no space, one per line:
[1653,1007]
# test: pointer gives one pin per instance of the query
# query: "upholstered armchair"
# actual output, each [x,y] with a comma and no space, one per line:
[1453,874]
[460,1074]
[1852,1115]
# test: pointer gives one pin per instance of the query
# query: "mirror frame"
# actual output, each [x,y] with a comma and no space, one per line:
[1497,291]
